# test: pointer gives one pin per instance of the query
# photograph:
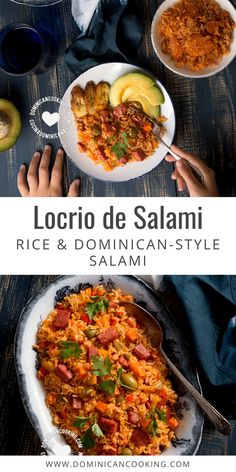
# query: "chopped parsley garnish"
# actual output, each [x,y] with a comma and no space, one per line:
[80,421]
[125,138]
[161,415]
[69,349]
[88,438]
[121,147]
[97,430]
[108,386]
[100,366]
[153,426]
[98,304]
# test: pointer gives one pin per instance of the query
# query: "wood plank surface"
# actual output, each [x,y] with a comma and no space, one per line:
[205,109]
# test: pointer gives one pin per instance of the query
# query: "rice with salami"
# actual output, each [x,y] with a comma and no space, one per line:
[103,379]
[116,136]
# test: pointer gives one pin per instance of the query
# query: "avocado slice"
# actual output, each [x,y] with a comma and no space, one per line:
[133,79]
[136,87]
[154,95]
[151,110]
[10,125]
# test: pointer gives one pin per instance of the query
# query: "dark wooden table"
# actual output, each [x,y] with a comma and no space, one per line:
[205,109]
[17,436]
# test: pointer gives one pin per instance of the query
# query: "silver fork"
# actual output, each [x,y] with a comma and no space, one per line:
[157,132]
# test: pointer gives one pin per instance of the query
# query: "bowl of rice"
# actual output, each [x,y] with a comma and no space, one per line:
[195,39]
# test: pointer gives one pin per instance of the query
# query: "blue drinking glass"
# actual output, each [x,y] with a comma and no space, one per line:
[25,49]
[37,3]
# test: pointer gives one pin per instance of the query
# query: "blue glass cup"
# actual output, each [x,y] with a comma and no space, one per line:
[25,49]
[37,3]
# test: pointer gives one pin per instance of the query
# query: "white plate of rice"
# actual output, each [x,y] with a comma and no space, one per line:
[68,133]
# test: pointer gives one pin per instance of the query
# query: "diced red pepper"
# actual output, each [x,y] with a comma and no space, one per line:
[130,398]
[163,393]
[85,318]
[173,422]
[164,398]
[42,373]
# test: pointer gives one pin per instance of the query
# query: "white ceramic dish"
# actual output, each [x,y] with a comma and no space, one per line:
[111,72]
[32,391]
[184,71]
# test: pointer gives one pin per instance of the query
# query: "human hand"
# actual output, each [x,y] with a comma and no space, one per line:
[36,182]
[185,177]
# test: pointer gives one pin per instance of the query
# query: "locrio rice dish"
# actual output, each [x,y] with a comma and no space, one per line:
[112,136]
[103,379]
[196,34]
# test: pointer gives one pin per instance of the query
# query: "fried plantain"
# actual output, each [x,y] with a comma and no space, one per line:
[102,96]
[89,97]
[78,105]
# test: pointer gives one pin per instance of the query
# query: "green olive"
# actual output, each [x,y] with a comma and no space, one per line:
[90,333]
[128,381]
[118,345]
[119,400]
[126,451]
[96,130]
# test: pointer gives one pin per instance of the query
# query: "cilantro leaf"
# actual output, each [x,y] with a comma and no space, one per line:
[151,412]
[108,386]
[100,366]
[87,440]
[98,304]
[153,427]
[80,421]
[97,430]
[161,415]
[125,138]
[119,149]
[69,349]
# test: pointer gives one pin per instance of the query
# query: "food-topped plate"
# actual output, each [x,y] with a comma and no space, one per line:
[167,415]
[109,73]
